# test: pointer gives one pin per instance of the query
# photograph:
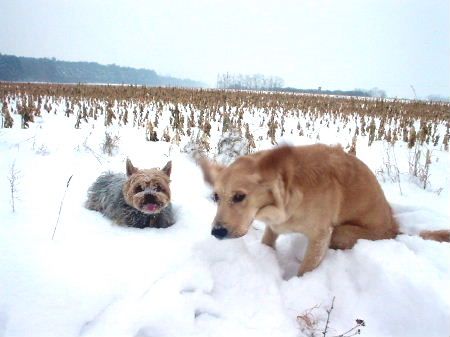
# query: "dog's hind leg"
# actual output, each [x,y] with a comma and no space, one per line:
[317,248]
[345,236]
[269,237]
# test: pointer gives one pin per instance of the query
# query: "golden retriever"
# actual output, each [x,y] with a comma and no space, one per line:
[328,195]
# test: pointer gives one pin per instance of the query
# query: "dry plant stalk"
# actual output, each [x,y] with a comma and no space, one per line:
[110,144]
[197,110]
[419,170]
[390,169]
[61,205]
[13,179]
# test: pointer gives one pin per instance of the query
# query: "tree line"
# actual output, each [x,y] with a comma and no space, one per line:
[273,83]
[248,82]
[28,69]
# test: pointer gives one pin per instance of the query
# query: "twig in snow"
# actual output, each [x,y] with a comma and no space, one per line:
[355,330]
[13,177]
[397,172]
[308,321]
[60,206]
[87,147]
[93,153]
[324,333]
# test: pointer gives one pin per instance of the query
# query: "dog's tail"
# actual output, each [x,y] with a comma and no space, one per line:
[440,235]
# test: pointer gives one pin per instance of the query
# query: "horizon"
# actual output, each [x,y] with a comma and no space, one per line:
[147,69]
[326,91]
[400,47]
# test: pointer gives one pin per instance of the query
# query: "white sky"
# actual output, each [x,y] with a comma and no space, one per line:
[336,44]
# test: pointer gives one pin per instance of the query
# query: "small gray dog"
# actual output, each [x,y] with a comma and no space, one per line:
[139,199]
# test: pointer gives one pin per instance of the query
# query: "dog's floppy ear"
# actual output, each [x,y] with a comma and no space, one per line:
[130,168]
[278,168]
[210,170]
[168,168]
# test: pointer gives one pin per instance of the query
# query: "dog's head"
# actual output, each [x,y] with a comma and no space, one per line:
[239,191]
[147,190]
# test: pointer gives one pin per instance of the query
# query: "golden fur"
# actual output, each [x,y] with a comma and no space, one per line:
[328,195]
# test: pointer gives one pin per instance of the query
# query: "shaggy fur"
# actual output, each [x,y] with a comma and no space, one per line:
[139,199]
[328,195]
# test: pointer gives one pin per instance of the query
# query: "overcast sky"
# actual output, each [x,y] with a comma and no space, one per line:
[335,44]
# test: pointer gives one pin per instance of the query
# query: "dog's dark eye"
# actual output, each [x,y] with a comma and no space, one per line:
[158,188]
[138,189]
[238,197]
[215,197]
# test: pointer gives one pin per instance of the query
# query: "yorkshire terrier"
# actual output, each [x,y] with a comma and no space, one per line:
[140,199]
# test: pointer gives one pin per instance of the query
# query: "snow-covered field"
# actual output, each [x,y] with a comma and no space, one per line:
[98,279]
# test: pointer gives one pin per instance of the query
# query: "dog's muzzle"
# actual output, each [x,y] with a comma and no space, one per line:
[149,198]
[219,232]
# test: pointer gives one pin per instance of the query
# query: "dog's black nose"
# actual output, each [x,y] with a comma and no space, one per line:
[219,232]
[150,199]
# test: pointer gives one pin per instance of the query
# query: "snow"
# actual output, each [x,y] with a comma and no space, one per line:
[98,279]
